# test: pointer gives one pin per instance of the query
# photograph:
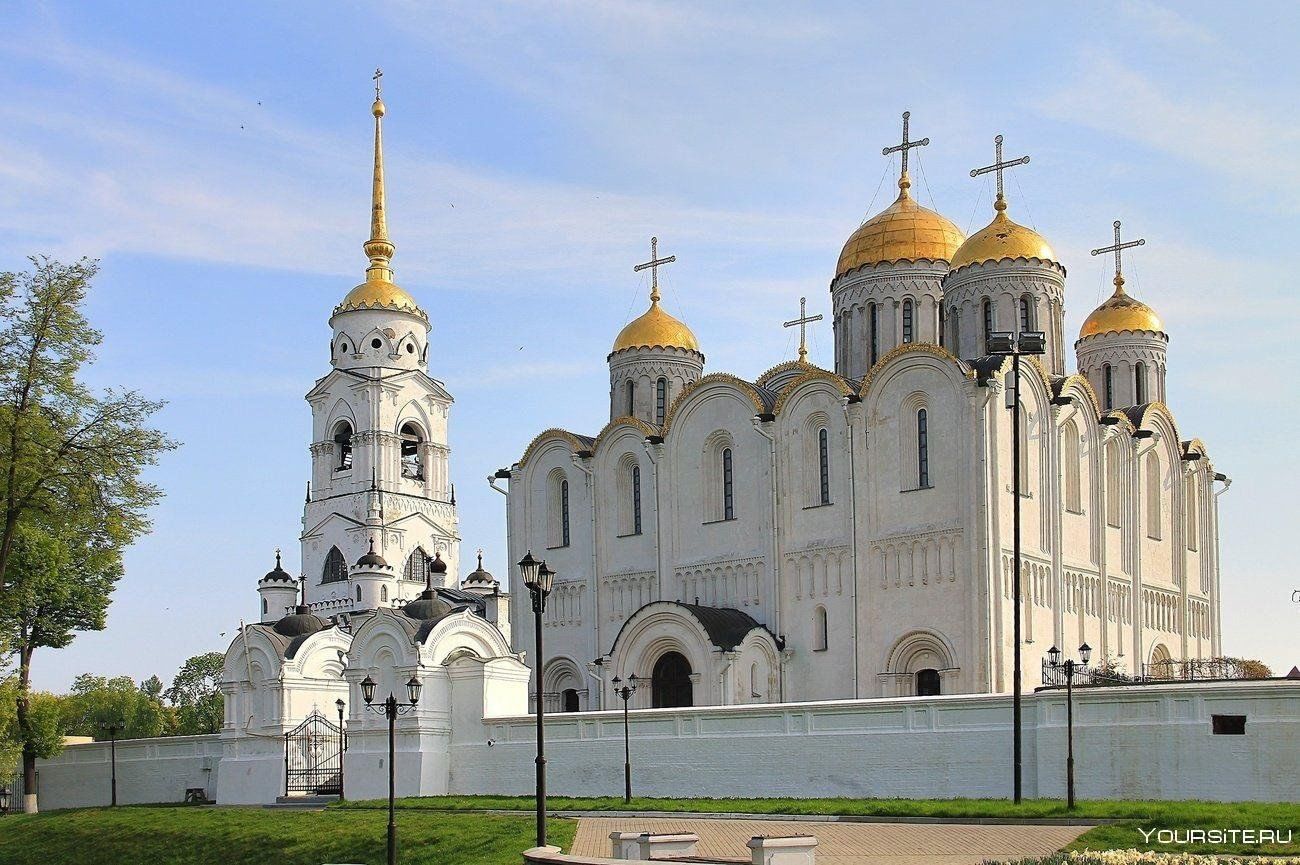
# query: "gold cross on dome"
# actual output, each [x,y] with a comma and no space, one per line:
[1117,247]
[998,165]
[803,321]
[379,73]
[653,264]
[906,145]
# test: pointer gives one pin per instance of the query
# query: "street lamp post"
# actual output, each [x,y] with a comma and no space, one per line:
[343,743]
[1054,663]
[1004,343]
[626,690]
[112,728]
[538,578]
[390,709]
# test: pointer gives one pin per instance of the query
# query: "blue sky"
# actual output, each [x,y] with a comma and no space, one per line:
[216,158]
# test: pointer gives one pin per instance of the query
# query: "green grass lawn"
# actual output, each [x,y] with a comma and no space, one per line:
[257,836]
[1122,835]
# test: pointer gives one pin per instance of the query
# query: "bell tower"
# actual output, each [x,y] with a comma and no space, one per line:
[380,483]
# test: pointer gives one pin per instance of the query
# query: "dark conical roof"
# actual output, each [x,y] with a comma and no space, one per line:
[426,607]
[300,623]
[480,574]
[372,559]
[278,573]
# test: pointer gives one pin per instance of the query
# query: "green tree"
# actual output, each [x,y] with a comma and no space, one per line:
[152,687]
[95,701]
[71,462]
[45,713]
[195,695]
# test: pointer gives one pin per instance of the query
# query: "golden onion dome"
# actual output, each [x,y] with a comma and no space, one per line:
[656,328]
[380,294]
[1000,240]
[904,231]
[1121,312]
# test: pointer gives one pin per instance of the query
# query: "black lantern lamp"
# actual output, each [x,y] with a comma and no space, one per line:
[368,690]
[1085,653]
[390,709]
[528,568]
[413,690]
[1054,656]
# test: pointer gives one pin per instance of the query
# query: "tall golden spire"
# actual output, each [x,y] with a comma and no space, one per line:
[379,248]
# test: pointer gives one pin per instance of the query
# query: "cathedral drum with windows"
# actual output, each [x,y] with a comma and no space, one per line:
[818,534]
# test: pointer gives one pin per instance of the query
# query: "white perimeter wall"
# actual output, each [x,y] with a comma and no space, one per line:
[148,770]
[1130,743]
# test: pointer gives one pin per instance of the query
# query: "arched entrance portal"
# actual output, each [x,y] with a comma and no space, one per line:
[927,683]
[670,683]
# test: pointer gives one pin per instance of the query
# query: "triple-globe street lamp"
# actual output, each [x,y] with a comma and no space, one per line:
[1054,663]
[390,709]
[1006,344]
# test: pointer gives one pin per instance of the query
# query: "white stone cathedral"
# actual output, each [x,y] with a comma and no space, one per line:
[814,534]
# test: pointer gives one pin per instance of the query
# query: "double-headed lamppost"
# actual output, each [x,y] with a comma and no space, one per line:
[112,728]
[1054,663]
[390,709]
[343,743]
[539,579]
[1004,343]
[626,690]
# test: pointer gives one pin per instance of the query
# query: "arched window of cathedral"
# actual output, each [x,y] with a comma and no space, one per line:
[557,522]
[754,693]
[927,683]
[1026,314]
[986,310]
[728,487]
[264,606]
[661,400]
[1070,458]
[343,443]
[821,637]
[873,323]
[824,466]
[636,500]
[923,449]
[417,566]
[1192,508]
[1022,450]
[358,593]
[670,682]
[631,398]
[909,329]
[411,441]
[343,348]
[954,332]
[336,567]
[383,594]
[1112,484]
[1108,387]
[1154,494]
[1139,383]
[942,323]
[569,700]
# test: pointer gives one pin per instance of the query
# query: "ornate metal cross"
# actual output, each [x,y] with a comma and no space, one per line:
[1118,248]
[998,165]
[804,319]
[379,73]
[906,145]
[653,264]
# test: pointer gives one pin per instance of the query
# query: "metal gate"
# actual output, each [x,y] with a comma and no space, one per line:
[313,758]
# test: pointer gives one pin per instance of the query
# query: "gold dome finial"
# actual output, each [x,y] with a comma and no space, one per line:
[1001,239]
[999,203]
[379,249]
[654,327]
[803,321]
[1120,312]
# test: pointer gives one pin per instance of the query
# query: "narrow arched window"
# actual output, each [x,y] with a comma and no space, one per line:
[1070,457]
[909,330]
[986,310]
[873,325]
[954,331]
[922,449]
[336,568]
[412,465]
[636,500]
[942,324]
[728,487]
[1113,511]
[1108,386]
[1022,450]
[821,639]
[343,443]
[383,594]
[1026,315]
[358,593]
[661,400]
[824,465]
[1139,383]
[631,398]
[564,513]
[1192,508]
[264,606]
[1154,494]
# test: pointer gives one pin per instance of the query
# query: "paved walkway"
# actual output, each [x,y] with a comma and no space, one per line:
[846,843]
